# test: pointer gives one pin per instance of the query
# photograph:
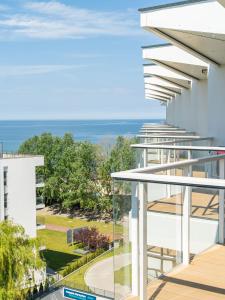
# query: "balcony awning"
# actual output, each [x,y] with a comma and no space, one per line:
[156,97]
[157,93]
[196,26]
[159,89]
[160,82]
[177,60]
[170,76]
[153,97]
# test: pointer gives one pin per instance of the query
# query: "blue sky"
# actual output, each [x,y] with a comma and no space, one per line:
[73,60]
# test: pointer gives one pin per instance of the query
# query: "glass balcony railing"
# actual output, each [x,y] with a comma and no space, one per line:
[165,216]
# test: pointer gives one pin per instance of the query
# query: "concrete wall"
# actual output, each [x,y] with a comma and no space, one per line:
[190,109]
[21,188]
[216,106]
[164,230]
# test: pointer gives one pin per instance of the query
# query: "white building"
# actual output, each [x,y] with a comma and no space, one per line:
[18,184]
[175,212]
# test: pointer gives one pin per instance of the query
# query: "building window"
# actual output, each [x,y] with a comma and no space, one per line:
[6,200]
[5,176]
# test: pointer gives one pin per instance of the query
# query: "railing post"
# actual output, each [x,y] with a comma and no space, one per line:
[221,203]
[145,157]
[161,156]
[135,239]
[168,186]
[187,191]
[143,259]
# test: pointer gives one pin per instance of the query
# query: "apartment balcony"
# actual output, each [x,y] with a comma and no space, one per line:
[170,216]
[40,202]
[39,181]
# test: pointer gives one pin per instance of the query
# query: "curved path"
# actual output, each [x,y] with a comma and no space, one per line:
[101,274]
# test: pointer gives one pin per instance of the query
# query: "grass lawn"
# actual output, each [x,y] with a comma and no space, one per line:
[77,278]
[106,228]
[58,254]
[123,275]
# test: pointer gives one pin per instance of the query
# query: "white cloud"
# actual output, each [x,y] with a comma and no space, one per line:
[55,20]
[24,70]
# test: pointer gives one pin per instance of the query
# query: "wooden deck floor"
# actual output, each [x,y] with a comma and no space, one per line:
[204,205]
[203,279]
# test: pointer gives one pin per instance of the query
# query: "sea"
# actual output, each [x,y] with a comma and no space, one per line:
[14,133]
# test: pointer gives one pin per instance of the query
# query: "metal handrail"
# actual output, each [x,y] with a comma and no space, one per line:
[175,147]
[180,141]
[169,136]
[169,166]
[140,174]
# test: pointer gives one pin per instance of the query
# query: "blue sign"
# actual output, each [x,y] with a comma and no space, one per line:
[72,294]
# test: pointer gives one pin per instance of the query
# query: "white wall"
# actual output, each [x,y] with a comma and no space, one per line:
[216,90]
[190,109]
[21,185]
[164,230]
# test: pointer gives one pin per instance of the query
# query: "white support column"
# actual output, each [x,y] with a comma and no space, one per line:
[145,158]
[143,260]
[168,186]
[186,220]
[161,156]
[221,203]
[135,239]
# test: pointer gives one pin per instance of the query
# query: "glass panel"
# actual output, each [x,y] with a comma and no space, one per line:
[164,241]
[122,237]
[164,228]
[204,225]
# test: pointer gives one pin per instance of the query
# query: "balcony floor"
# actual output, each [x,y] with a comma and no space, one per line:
[204,279]
[204,205]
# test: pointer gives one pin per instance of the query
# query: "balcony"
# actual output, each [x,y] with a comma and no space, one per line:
[40,202]
[171,215]
[39,181]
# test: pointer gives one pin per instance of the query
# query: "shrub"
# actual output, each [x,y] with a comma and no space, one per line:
[91,238]
[81,261]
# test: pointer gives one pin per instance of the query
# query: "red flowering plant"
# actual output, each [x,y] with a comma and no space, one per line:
[91,238]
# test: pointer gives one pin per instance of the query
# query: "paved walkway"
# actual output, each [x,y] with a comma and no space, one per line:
[56,227]
[101,275]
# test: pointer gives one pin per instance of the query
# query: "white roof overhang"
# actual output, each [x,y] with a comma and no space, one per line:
[171,76]
[154,96]
[196,26]
[149,91]
[162,83]
[159,89]
[177,60]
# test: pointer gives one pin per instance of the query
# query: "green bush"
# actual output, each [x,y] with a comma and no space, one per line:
[81,261]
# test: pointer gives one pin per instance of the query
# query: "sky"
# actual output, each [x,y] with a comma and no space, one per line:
[74,59]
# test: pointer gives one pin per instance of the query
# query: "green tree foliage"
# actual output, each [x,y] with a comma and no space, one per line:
[19,257]
[121,158]
[77,174]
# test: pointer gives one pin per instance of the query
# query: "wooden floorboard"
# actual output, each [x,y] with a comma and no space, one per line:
[204,205]
[203,279]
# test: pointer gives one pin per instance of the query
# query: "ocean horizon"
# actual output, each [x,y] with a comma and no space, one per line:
[15,132]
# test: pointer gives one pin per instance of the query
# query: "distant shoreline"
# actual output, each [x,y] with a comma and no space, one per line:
[15,132]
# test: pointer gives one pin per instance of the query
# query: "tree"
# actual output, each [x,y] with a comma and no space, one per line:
[91,238]
[78,174]
[122,157]
[19,258]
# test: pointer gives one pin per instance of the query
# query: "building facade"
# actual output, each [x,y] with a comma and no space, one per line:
[170,209]
[18,195]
